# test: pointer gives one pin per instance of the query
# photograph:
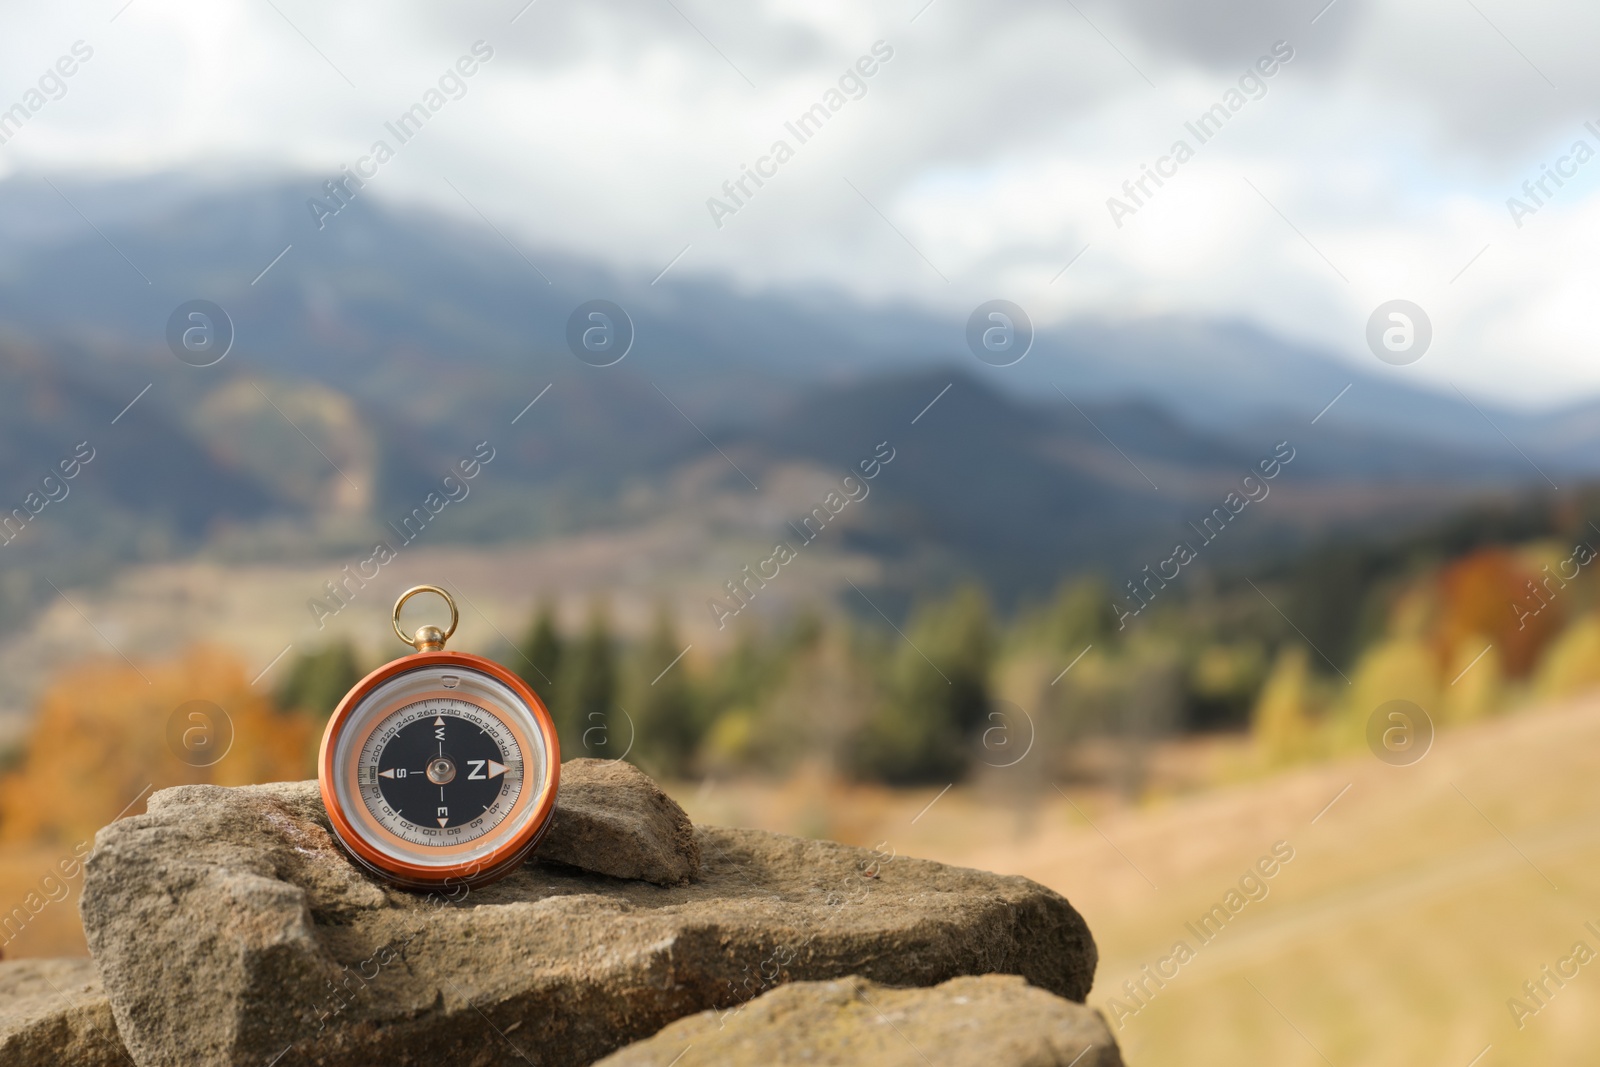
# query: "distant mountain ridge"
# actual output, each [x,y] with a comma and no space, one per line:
[391,291]
[373,354]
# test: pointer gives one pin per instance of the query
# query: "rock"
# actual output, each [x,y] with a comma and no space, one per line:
[231,929]
[989,1021]
[611,818]
[54,1012]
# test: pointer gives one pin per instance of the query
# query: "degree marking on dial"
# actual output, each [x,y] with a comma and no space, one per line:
[482,771]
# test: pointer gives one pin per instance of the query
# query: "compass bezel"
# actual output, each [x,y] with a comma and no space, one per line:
[500,860]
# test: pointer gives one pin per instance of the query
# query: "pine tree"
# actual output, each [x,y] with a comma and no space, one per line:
[317,681]
[539,655]
[589,688]
[1082,615]
[939,696]
[668,722]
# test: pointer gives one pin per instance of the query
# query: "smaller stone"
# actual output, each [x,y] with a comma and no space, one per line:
[992,1020]
[611,818]
[55,1012]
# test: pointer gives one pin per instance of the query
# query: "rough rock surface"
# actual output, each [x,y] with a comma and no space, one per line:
[231,929]
[611,818]
[54,1012]
[989,1021]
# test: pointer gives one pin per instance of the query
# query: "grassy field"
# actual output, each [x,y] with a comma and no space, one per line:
[1414,906]
[1418,899]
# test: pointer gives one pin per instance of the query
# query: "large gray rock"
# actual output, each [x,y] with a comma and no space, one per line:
[230,928]
[54,1012]
[989,1021]
[611,818]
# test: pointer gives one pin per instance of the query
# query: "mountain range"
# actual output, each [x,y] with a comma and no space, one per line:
[372,354]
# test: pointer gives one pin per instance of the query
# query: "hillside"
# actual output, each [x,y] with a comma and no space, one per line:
[379,352]
[1413,908]
[251,466]
[1404,906]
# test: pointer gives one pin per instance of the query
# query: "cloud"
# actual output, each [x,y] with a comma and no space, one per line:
[977,165]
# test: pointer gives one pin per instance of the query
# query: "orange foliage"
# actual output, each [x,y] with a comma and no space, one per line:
[1478,599]
[101,736]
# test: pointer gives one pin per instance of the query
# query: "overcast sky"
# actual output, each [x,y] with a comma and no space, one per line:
[976,162]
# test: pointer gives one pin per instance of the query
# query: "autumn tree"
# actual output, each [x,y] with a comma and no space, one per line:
[105,733]
[1284,721]
[1573,663]
[1490,597]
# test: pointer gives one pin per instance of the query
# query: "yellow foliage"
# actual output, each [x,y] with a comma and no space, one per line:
[732,738]
[1282,723]
[1395,669]
[1024,677]
[1474,687]
[101,740]
[1572,663]
[1413,612]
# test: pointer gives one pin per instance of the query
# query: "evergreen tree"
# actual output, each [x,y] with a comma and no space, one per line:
[939,696]
[589,689]
[316,681]
[1082,615]
[539,661]
[668,722]
[741,673]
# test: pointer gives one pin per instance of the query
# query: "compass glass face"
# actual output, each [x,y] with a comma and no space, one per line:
[438,766]
[440,771]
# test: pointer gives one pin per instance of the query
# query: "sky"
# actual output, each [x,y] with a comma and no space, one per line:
[977,160]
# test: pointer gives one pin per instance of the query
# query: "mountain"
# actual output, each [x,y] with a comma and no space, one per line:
[48,416]
[372,355]
[388,295]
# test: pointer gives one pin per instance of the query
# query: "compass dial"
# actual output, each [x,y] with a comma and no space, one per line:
[439,767]
[440,772]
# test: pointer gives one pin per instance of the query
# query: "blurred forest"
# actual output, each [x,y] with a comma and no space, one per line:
[1469,618]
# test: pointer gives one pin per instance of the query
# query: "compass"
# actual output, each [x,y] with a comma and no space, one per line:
[439,768]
